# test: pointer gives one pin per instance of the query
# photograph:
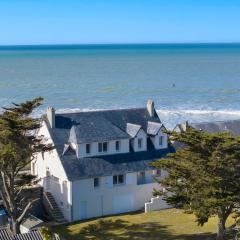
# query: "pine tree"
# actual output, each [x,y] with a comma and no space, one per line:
[204,175]
[18,146]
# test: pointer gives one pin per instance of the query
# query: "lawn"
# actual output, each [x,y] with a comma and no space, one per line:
[165,225]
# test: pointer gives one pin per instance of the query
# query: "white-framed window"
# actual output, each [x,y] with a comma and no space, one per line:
[140,143]
[88,148]
[117,146]
[160,140]
[103,147]
[96,182]
[118,179]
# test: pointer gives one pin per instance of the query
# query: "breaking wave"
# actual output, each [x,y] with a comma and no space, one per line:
[172,117]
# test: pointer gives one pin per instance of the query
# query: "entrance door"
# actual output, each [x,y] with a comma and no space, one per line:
[83,210]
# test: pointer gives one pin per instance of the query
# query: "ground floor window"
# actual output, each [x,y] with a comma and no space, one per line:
[96,182]
[141,178]
[118,179]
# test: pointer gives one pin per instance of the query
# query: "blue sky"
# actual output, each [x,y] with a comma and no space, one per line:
[118,21]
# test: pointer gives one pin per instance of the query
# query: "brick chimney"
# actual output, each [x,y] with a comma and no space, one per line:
[150,107]
[51,116]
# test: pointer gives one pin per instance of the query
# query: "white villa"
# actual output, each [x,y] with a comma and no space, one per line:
[100,164]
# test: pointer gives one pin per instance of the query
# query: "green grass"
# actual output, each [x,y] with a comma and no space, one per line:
[164,225]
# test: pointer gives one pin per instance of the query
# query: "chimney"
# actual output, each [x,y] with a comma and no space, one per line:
[185,126]
[51,116]
[150,107]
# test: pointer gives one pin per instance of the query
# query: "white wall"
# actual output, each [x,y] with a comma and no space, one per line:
[100,201]
[134,141]
[124,148]
[52,163]
[155,140]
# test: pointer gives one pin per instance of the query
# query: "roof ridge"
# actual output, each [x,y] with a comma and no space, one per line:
[99,110]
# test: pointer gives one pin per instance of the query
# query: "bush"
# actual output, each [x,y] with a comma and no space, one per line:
[46,233]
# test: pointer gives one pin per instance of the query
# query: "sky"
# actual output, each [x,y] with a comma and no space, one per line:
[24,22]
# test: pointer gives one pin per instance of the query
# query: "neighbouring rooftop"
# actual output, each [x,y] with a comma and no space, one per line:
[5,234]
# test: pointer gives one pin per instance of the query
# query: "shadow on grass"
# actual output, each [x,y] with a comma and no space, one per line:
[120,229]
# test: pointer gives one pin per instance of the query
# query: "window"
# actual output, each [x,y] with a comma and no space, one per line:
[99,147]
[139,143]
[160,140]
[115,179]
[141,178]
[117,146]
[157,172]
[103,147]
[96,182]
[118,179]
[88,148]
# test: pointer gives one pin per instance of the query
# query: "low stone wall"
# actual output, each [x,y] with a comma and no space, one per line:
[156,203]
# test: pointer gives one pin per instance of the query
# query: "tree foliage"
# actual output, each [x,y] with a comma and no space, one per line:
[204,175]
[18,146]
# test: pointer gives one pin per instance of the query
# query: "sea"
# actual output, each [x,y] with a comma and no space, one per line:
[194,82]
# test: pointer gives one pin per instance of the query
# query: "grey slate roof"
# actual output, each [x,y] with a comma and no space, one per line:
[94,129]
[133,129]
[6,235]
[105,125]
[232,126]
[117,120]
[112,164]
[153,128]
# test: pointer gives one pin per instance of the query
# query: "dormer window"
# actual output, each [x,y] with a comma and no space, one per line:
[103,147]
[117,146]
[140,143]
[160,140]
[88,148]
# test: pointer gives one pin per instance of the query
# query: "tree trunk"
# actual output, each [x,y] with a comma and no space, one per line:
[221,228]
[15,226]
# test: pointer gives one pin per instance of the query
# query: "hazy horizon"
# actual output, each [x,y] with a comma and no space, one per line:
[120,43]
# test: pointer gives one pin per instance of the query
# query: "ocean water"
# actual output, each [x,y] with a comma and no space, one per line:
[198,82]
